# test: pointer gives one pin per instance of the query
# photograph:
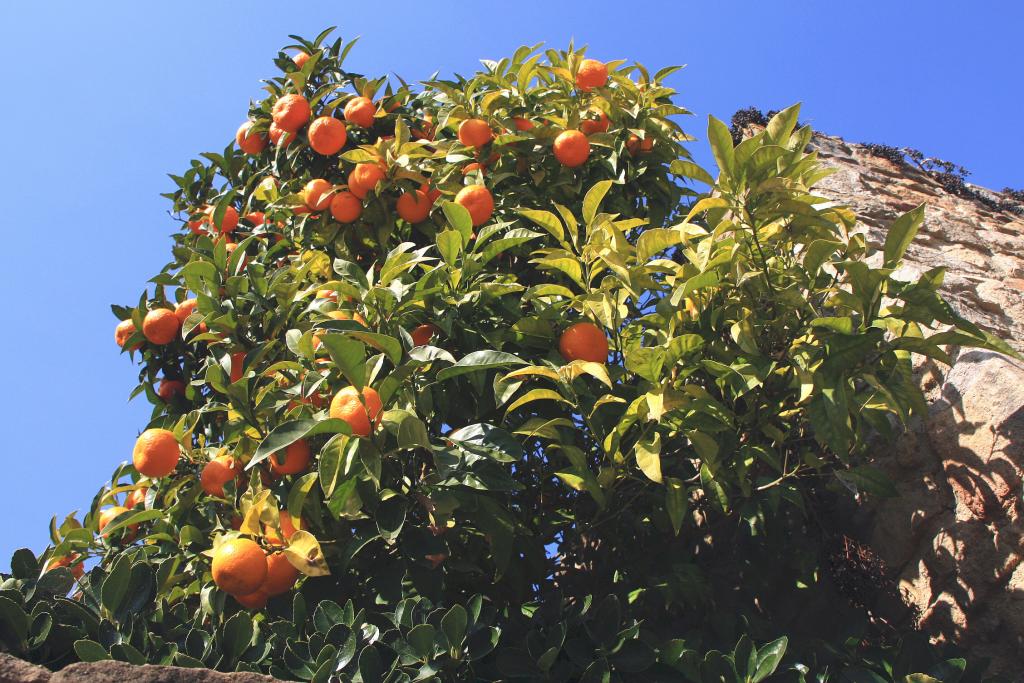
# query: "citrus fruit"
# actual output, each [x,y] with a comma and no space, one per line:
[291,112]
[123,332]
[475,133]
[281,575]
[584,341]
[422,334]
[327,135]
[360,111]
[414,207]
[170,388]
[218,472]
[317,194]
[358,410]
[591,74]
[346,207]
[364,178]
[571,148]
[239,566]
[478,201]
[160,326]
[250,143]
[295,459]
[156,453]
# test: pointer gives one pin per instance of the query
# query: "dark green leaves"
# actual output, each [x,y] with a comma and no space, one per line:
[288,433]
[900,234]
[479,360]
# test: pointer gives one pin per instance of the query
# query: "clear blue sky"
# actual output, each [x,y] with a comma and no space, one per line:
[102,99]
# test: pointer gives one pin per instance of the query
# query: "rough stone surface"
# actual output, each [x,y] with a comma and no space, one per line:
[13,670]
[954,537]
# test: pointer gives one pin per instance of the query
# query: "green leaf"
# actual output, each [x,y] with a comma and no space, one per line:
[422,640]
[115,585]
[900,234]
[238,632]
[90,651]
[458,217]
[350,357]
[648,456]
[592,201]
[488,440]
[546,220]
[479,360]
[782,124]
[449,243]
[675,502]
[287,433]
[654,241]
[537,395]
[412,433]
[13,620]
[453,626]
[688,169]
[390,517]
[721,146]
[24,564]
[768,658]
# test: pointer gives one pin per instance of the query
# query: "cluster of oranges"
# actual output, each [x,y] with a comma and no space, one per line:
[240,566]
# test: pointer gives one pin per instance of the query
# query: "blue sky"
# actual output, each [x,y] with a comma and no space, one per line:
[103,99]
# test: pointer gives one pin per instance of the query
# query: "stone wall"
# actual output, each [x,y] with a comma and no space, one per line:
[954,537]
[13,670]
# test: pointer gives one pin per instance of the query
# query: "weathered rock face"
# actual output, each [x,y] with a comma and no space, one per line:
[954,537]
[14,670]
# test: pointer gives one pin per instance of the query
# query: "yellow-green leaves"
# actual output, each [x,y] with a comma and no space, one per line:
[648,456]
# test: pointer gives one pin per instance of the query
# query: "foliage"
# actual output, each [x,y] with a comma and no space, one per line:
[515,516]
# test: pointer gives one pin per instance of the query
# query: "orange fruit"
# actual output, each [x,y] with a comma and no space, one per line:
[584,341]
[281,575]
[253,143]
[255,218]
[327,135]
[288,530]
[478,201]
[169,388]
[590,126]
[291,112]
[475,166]
[237,366]
[218,472]
[279,136]
[342,315]
[360,111]
[422,334]
[572,148]
[136,497]
[156,453]
[327,294]
[414,207]
[300,59]
[591,74]
[522,123]
[160,326]
[426,131]
[109,514]
[317,194]
[123,332]
[635,145]
[77,569]
[475,133]
[345,207]
[183,310]
[296,459]
[228,222]
[239,566]
[255,600]
[358,411]
[364,178]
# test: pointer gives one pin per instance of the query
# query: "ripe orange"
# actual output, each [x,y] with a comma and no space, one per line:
[77,569]
[475,133]
[584,341]
[360,111]
[317,194]
[343,315]
[183,310]
[364,178]
[327,294]
[291,112]
[571,148]
[414,207]
[109,514]
[357,411]
[422,334]
[237,366]
[475,166]
[160,326]
[522,124]
[239,566]
[281,575]
[169,388]
[426,131]
[250,143]
[288,530]
[300,59]
[228,222]
[279,136]
[123,332]
[156,453]
[136,497]
[346,207]
[478,201]
[589,126]
[218,472]
[635,145]
[327,135]
[255,600]
[256,218]
[591,74]
[296,459]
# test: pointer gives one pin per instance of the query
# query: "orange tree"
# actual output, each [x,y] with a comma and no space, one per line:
[469,383]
